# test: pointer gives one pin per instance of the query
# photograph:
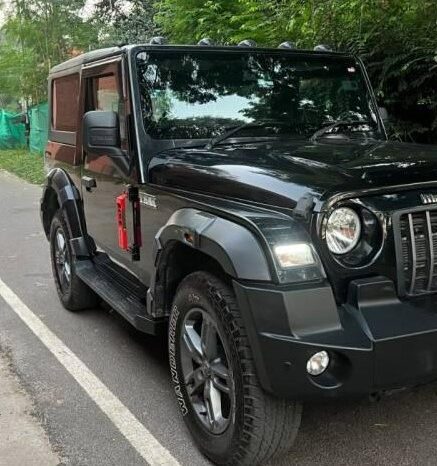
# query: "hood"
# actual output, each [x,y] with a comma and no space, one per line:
[280,172]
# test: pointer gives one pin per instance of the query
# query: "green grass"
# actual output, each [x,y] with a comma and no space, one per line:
[22,163]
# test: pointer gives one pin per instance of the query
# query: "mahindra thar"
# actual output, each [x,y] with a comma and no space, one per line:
[246,203]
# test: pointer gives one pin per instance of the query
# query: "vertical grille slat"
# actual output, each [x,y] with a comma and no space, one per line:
[413,253]
[431,250]
[417,268]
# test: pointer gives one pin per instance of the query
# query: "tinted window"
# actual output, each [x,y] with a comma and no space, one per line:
[65,103]
[106,94]
[190,95]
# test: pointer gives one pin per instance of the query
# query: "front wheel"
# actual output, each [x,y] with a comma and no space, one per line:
[74,294]
[233,421]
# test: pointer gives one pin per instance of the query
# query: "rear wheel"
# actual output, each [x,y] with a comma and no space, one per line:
[74,294]
[233,421]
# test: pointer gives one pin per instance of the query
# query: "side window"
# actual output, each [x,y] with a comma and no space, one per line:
[65,103]
[106,97]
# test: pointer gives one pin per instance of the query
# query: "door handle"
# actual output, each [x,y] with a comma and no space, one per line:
[89,183]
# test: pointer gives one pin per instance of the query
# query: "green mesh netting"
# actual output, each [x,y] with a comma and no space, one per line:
[38,117]
[12,130]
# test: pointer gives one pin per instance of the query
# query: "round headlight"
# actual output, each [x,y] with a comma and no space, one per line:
[343,230]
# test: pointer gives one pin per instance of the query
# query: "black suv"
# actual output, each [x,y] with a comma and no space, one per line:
[245,202]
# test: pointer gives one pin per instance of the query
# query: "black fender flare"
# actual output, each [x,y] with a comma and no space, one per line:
[68,198]
[232,245]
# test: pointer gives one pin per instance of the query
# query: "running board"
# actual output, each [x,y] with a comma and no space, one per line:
[125,295]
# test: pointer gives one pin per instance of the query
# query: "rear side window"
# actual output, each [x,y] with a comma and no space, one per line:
[65,103]
[107,96]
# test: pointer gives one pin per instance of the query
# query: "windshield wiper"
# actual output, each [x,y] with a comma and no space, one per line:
[326,129]
[227,134]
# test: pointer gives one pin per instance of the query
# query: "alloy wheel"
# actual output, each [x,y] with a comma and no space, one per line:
[206,370]
[62,259]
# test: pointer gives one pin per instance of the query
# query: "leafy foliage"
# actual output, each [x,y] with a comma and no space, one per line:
[396,39]
[124,22]
[36,35]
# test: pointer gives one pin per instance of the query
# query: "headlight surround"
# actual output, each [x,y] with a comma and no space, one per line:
[343,230]
[293,255]
[370,240]
[297,262]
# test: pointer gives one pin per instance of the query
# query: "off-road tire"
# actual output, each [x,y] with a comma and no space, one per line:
[263,427]
[76,296]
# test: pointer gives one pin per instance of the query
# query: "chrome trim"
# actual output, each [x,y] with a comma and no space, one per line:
[431,250]
[428,199]
[336,197]
[413,253]
[148,200]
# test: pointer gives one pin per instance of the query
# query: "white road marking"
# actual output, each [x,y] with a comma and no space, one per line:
[135,432]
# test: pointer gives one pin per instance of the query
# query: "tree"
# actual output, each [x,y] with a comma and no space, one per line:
[396,38]
[38,34]
[124,22]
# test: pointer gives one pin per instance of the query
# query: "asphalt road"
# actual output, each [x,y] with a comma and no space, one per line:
[398,430]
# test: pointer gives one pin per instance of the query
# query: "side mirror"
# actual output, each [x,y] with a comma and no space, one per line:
[101,133]
[383,114]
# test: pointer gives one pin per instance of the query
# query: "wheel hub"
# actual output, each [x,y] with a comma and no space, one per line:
[62,259]
[206,370]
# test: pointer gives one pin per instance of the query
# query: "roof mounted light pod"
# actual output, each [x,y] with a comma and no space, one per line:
[287,45]
[158,40]
[247,43]
[206,41]
[322,48]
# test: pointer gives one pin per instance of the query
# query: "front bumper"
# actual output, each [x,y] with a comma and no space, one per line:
[376,342]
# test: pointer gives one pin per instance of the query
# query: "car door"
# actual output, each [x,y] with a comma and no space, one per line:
[103,179]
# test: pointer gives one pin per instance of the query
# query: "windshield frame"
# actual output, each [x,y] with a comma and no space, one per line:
[149,147]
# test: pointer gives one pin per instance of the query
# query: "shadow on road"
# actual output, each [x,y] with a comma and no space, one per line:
[398,430]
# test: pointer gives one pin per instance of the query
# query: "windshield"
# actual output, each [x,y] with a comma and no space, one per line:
[203,94]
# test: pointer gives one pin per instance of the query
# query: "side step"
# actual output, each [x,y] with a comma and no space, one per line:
[124,294]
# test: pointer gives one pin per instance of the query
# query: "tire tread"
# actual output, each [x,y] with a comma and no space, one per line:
[80,295]
[270,425]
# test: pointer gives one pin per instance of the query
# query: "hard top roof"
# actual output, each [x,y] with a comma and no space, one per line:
[101,54]
[87,57]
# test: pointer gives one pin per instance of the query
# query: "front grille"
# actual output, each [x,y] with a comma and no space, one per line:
[418,254]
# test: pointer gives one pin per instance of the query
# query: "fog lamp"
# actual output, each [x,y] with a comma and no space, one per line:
[318,363]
